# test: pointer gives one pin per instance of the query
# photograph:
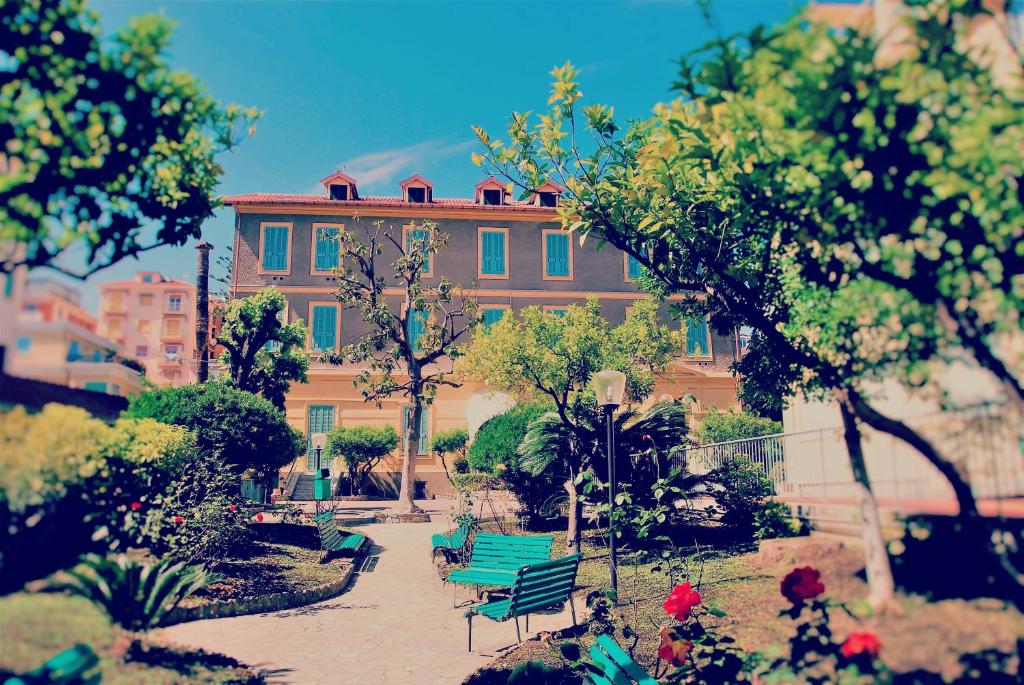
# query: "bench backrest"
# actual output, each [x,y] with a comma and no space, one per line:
[77,665]
[509,552]
[618,666]
[328,528]
[540,585]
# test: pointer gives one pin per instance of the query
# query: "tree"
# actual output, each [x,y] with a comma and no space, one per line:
[361,448]
[719,426]
[453,441]
[263,354]
[242,429]
[104,140]
[796,163]
[405,351]
[545,355]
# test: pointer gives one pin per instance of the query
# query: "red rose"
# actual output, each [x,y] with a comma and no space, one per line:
[673,650]
[136,506]
[231,507]
[647,437]
[178,519]
[802,584]
[259,517]
[681,601]
[863,642]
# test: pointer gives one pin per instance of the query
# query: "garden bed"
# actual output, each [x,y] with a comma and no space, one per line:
[924,634]
[37,626]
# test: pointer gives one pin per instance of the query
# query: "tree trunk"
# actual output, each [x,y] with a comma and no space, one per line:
[407,490]
[575,512]
[881,587]
[203,312]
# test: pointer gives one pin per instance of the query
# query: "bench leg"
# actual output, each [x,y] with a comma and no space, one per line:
[527,624]
[572,608]
[469,617]
[455,587]
[518,636]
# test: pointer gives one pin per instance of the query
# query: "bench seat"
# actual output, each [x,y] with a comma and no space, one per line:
[332,539]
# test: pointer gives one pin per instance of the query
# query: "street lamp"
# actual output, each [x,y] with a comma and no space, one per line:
[609,387]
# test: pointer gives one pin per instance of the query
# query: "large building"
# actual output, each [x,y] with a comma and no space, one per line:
[55,340]
[511,254]
[153,318]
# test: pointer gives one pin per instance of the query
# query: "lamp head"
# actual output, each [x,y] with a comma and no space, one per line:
[609,387]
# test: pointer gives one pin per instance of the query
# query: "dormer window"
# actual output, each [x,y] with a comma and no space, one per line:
[490,191]
[339,186]
[492,196]
[547,195]
[548,199]
[417,189]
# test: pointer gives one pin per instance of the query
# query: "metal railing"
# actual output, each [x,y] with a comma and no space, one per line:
[985,441]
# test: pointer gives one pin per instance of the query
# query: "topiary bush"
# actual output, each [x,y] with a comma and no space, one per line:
[361,448]
[241,429]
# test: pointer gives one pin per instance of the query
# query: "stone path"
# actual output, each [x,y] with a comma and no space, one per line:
[395,624]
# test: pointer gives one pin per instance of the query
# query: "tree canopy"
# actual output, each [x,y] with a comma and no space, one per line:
[263,353]
[109,152]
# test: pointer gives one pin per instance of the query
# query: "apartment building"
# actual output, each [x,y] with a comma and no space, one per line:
[56,341]
[153,319]
[512,254]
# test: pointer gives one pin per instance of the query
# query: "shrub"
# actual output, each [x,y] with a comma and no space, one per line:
[241,429]
[743,493]
[452,442]
[719,426]
[361,448]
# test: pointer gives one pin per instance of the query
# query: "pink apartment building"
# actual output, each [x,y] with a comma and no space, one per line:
[153,319]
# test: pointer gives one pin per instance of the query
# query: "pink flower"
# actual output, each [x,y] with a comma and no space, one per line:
[178,520]
[259,517]
[231,507]
[681,601]
[135,506]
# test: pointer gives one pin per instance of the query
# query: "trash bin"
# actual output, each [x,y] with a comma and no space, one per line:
[322,485]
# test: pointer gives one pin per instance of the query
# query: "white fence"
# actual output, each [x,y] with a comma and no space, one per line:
[985,441]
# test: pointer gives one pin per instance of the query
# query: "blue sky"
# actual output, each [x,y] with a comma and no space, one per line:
[387,89]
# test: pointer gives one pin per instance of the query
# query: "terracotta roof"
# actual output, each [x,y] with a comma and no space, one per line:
[337,176]
[487,181]
[415,178]
[375,201]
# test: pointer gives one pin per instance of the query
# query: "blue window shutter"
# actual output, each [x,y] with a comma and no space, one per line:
[275,248]
[557,246]
[73,351]
[415,328]
[634,269]
[325,320]
[697,337]
[493,253]
[417,234]
[326,249]
[96,386]
[492,316]
[424,446]
[320,419]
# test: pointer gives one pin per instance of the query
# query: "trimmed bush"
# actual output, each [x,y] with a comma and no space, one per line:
[719,426]
[241,429]
[361,448]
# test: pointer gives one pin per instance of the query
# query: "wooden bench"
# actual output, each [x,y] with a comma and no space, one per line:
[618,666]
[332,539]
[495,559]
[78,665]
[538,586]
[453,542]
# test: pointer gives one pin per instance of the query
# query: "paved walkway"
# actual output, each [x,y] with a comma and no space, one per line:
[394,625]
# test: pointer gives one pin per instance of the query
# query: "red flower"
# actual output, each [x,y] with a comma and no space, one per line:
[681,602]
[178,519]
[231,507]
[673,650]
[259,517]
[136,506]
[802,584]
[862,642]
[647,437]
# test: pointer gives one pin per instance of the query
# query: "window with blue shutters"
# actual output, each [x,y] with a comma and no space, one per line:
[275,345]
[423,447]
[418,234]
[324,327]
[326,248]
[556,254]
[492,253]
[698,339]
[275,247]
[415,327]
[633,268]
[492,316]
[74,352]
[95,386]
[319,419]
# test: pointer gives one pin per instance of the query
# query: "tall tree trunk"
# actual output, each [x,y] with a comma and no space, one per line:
[974,527]
[203,312]
[881,587]
[574,513]
[412,440]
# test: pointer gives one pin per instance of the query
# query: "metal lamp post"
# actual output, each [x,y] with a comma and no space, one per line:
[609,387]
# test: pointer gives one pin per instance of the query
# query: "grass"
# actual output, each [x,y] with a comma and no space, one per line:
[36,626]
[923,635]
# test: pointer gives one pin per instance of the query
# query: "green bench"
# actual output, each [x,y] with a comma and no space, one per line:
[452,542]
[538,586]
[78,665]
[618,666]
[496,559]
[334,540]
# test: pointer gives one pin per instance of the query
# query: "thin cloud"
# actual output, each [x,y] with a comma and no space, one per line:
[386,167]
